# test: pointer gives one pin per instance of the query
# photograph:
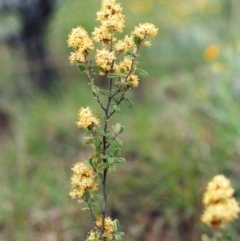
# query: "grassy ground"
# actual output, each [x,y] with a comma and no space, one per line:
[183,128]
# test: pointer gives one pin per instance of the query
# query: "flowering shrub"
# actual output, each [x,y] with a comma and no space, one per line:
[116,61]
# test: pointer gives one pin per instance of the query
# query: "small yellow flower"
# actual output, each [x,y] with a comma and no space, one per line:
[211,52]
[220,205]
[86,118]
[147,43]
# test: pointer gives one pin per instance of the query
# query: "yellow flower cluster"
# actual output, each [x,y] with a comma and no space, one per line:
[126,65]
[82,44]
[125,45]
[104,59]
[144,30]
[86,118]
[83,180]
[93,235]
[108,229]
[111,18]
[133,79]
[220,205]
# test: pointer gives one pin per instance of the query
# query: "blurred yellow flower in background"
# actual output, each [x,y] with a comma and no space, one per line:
[211,52]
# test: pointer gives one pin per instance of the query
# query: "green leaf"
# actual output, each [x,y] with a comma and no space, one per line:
[104,156]
[122,129]
[95,89]
[118,142]
[110,160]
[141,72]
[114,227]
[127,101]
[117,237]
[112,168]
[116,108]
[102,166]
[112,143]
[96,209]
[136,40]
[86,195]
[101,132]
[82,68]
[116,152]
[88,133]
[101,69]
[94,94]
[98,151]
[92,163]
[105,92]
[120,160]
[96,142]
[97,197]
[88,140]
[93,155]
[122,70]
[113,76]
[116,222]
[117,127]
[227,236]
[100,176]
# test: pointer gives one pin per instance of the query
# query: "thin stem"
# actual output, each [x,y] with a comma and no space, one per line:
[118,103]
[89,75]
[99,102]
[105,147]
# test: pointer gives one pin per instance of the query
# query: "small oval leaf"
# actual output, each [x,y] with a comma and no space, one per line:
[100,176]
[82,68]
[102,166]
[105,92]
[127,101]
[116,108]
[120,160]
[117,127]
[113,76]
[141,72]
[112,168]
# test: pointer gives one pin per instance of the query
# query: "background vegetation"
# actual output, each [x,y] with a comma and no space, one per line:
[183,127]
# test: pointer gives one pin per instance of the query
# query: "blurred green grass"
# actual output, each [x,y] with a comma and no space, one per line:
[183,128]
